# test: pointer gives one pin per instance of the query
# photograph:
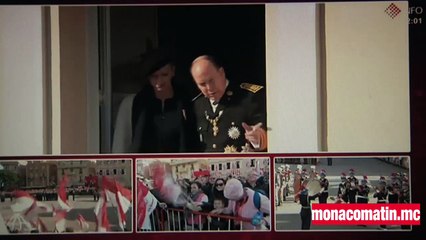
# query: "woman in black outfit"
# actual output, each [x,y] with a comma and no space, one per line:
[161,111]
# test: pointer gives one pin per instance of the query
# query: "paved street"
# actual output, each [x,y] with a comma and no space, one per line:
[287,214]
[83,205]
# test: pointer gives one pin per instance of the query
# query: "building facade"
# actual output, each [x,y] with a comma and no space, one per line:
[121,170]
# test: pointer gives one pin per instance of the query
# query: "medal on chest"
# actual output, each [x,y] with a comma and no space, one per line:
[233,132]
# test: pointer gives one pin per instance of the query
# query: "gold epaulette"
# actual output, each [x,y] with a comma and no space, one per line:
[251,87]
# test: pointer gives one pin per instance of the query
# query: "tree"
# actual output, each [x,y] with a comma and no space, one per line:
[8,180]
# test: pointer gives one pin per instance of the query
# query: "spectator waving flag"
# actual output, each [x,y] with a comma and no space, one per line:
[146,205]
[102,222]
[170,191]
[60,221]
[26,206]
[84,226]
[24,202]
[119,196]
[142,192]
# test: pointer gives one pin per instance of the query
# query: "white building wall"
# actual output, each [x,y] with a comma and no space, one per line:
[21,80]
[291,77]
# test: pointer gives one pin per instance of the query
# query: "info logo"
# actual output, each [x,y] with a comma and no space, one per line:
[392,10]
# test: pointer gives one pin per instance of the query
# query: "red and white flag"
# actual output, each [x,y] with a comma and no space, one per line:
[27,206]
[24,202]
[142,204]
[41,227]
[119,196]
[60,220]
[102,222]
[62,194]
[170,190]
[84,226]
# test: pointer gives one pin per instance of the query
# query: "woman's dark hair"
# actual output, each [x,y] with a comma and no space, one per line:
[155,59]
[219,179]
[218,194]
[198,184]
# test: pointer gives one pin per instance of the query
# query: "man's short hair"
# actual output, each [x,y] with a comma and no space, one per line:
[213,60]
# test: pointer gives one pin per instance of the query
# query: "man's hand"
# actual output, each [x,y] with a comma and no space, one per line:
[256,135]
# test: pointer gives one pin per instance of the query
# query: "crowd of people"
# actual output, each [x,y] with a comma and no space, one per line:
[222,203]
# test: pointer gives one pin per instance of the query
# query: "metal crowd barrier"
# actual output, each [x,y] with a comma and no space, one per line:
[174,219]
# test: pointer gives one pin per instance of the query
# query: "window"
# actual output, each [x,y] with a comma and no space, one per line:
[252,163]
[115,171]
[228,165]
[107,172]
[212,167]
[100,172]
[123,172]
[220,166]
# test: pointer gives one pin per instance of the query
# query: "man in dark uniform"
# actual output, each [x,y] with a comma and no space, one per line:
[342,192]
[363,191]
[405,191]
[323,195]
[381,194]
[396,182]
[305,211]
[229,117]
[353,187]
[393,195]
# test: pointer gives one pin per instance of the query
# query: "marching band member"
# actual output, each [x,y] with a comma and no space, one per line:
[381,193]
[405,192]
[342,192]
[323,195]
[286,181]
[353,187]
[363,191]
[313,174]
[305,211]
[297,181]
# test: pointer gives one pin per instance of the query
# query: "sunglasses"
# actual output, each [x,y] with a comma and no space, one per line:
[219,184]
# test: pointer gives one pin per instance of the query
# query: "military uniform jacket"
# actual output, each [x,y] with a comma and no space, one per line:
[240,103]
[324,184]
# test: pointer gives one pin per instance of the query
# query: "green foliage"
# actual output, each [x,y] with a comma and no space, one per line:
[8,180]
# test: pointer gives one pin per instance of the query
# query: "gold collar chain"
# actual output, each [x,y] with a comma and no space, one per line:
[214,121]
